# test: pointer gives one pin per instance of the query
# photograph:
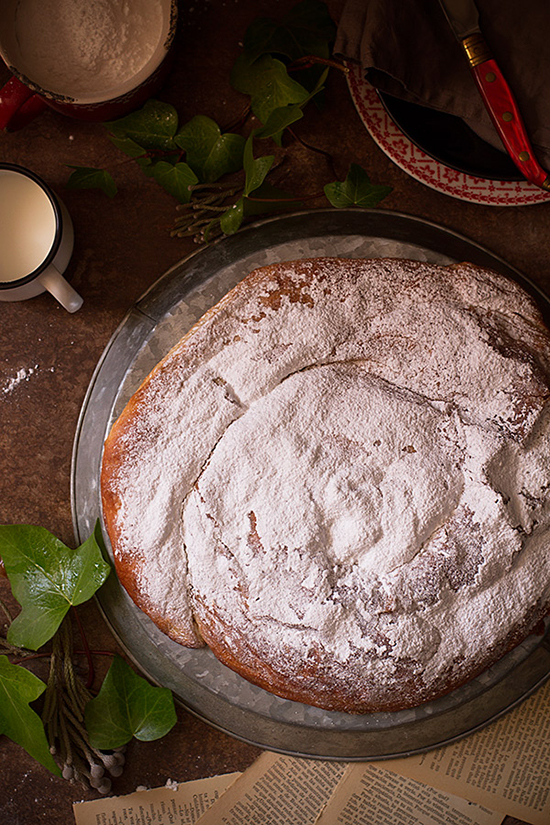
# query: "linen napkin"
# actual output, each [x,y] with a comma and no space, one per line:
[407,49]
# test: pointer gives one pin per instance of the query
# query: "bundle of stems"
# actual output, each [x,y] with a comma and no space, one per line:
[65,699]
[200,218]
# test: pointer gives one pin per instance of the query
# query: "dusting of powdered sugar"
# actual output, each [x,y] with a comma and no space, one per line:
[83,47]
[22,375]
[349,458]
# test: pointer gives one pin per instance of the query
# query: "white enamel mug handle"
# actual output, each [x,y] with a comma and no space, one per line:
[55,283]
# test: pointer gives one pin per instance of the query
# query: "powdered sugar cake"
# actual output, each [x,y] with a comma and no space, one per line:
[338,480]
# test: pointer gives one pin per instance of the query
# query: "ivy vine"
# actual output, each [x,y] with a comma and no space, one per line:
[220,178]
[78,735]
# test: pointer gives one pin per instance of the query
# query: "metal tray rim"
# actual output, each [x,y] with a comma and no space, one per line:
[140,314]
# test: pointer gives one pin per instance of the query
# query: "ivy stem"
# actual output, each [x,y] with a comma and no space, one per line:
[195,187]
[240,121]
[91,670]
[286,200]
[327,155]
[310,60]
[32,656]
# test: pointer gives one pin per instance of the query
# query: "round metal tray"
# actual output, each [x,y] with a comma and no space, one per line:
[201,683]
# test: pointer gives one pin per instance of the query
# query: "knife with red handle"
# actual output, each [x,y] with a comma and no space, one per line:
[497,96]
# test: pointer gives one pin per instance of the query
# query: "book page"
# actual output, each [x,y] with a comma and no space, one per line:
[284,790]
[505,766]
[180,805]
[369,795]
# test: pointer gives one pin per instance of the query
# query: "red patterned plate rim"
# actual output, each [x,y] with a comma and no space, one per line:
[413,160]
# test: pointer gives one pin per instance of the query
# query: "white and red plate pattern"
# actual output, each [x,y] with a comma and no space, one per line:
[413,160]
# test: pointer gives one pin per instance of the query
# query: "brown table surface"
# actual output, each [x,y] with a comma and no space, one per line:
[123,245]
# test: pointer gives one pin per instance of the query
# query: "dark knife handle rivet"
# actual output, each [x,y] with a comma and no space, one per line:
[490,77]
[507,116]
[524,156]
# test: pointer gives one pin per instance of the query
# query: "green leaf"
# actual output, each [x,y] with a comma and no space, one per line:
[86,177]
[307,29]
[281,118]
[46,579]
[255,168]
[128,146]
[175,178]
[231,220]
[226,157]
[132,149]
[209,153]
[278,120]
[356,190]
[127,706]
[197,137]
[18,720]
[152,127]
[267,82]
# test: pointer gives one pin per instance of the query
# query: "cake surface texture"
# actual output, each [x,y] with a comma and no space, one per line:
[339,480]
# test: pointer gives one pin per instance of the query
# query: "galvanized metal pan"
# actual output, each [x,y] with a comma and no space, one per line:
[200,683]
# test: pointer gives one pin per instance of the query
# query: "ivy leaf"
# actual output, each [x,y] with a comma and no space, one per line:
[267,82]
[285,116]
[86,177]
[128,146]
[231,220]
[197,137]
[307,29]
[127,706]
[226,156]
[175,178]
[209,153]
[132,149]
[278,121]
[152,127]
[46,579]
[18,720]
[255,168]
[356,190]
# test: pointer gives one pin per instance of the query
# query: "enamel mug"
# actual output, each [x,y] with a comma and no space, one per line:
[36,239]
